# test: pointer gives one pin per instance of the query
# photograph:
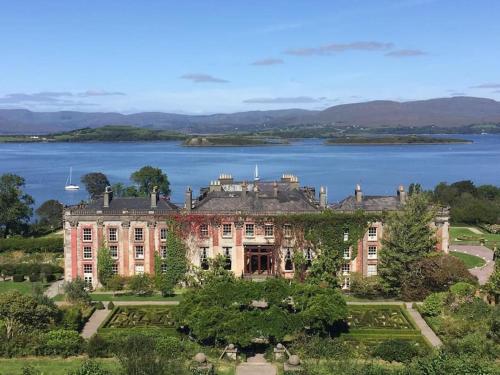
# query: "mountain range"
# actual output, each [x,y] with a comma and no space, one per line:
[440,112]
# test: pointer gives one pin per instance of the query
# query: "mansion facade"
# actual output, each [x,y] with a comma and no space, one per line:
[135,229]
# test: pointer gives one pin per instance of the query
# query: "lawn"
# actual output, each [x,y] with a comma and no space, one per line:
[24,287]
[50,366]
[463,235]
[470,261]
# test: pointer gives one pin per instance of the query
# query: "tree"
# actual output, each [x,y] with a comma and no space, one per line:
[15,210]
[104,265]
[492,287]
[414,188]
[95,183]
[120,190]
[21,313]
[50,213]
[408,237]
[148,177]
[76,291]
[141,285]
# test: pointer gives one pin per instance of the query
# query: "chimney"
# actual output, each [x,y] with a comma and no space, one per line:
[108,196]
[154,197]
[244,187]
[256,189]
[402,194]
[225,179]
[322,197]
[275,189]
[358,194]
[188,199]
[215,186]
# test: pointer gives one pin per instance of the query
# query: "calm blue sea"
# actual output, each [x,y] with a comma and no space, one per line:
[379,169]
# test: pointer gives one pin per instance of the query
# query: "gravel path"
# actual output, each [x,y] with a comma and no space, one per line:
[54,289]
[424,327]
[94,322]
[256,365]
[482,273]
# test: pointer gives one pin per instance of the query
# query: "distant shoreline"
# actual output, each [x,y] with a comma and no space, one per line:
[393,140]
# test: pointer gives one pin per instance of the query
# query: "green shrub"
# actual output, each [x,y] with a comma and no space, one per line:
[32,245]
[18,278]
[141,285]
[366,287]
[111,305]
[396,350]
[433,304]
[462,290]
[98,347]
[99,306]
[116,282]
[34,277]
[62,342]
[76,291]
[90,368]
[72,318]
[48,278]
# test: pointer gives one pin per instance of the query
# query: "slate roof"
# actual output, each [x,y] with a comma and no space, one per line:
[368,203]
[288,200]
[130,203]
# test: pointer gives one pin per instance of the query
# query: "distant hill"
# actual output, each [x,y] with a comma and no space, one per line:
[442,112]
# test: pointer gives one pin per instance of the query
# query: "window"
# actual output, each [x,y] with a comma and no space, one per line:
[204,258]
[371,270]
[163,234]
[87,252]
[114,269]
[347,283]
[139,252]
[112,234]
[268,230]
[346,235]
[288,259]
[87,268]
[309,257]
[113,251]
[347,253]
[372,234]
[163,268]
[346,269]
[372,252]
[227,252]
[163,251]
[287,230]
[249,230]
[139,269]
[227,230]
[138,234]
[87,234]
[204,230]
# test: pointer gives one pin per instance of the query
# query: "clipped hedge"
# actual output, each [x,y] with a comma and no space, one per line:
[32,245]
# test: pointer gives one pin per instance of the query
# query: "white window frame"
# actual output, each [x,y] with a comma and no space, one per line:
[163,234]
[250,233]
[113,234]
[87,252]
[204,230]
[87,235]
[88,269]
[346,269]
[372,252]
[139,255]
[163,268]
[111,251]
[138,234]
[346,235]
[137,269]
[163,251]
[347,253]
[227,230]
[287,230]
[114,269]
[268,230]
[371,270]
[372,234]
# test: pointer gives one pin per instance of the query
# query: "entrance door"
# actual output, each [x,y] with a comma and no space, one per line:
[259,260]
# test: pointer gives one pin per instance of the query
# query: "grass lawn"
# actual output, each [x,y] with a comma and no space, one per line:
[24,287]
[470,261]
[468,237]
[50,366]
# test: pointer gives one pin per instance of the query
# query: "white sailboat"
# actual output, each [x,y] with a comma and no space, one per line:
[69,185]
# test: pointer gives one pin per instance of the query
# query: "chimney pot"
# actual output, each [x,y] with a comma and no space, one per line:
[108,196]
[358,194]
[154,197]
[402,194]
[322,197]
[188,198]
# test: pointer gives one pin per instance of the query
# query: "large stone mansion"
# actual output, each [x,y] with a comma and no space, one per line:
[135,229]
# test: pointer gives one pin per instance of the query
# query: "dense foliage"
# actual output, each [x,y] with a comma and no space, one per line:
[32,245]
[95,183]
[76,292]
[238,311]
[104,265]
[148,177]
[50,214]
[408,238]
[15,205]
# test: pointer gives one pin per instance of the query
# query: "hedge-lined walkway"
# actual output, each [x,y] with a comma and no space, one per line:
[95,322]
[426,331]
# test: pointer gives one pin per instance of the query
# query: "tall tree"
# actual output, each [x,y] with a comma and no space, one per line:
[15,204]
[50,213]
[104,265]
[148,177]
[95,183]
[408,237]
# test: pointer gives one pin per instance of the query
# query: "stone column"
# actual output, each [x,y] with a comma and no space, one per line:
[125,250]
[151,255]
[74,250]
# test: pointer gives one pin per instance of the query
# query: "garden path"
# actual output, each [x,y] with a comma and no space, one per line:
[94,322]
[483,273]
[54,289]
[424,327]
[256,365]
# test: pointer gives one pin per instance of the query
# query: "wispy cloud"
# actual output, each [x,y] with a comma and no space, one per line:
[269,61]
[406,53]
[487,86]
[202,78]
[285,100]
[333,48]
[99,93]
[54,98]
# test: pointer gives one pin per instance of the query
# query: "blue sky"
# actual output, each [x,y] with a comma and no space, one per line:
[227,56]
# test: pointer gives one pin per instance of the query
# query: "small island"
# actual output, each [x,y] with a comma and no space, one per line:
[393,140]
[231,141]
